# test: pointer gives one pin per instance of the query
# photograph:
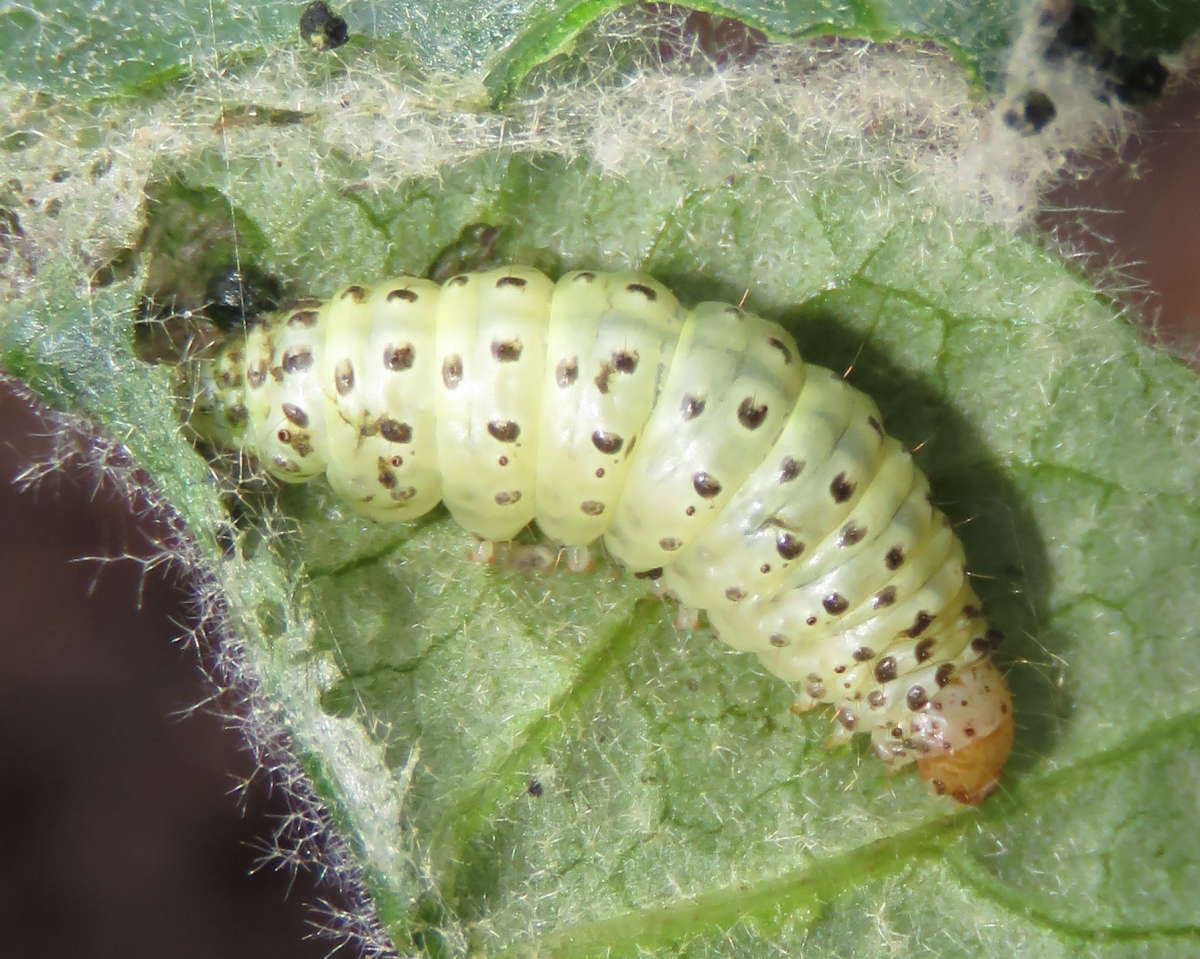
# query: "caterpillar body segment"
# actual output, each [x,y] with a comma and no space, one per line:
[696,443]
[611,338]
[379,348]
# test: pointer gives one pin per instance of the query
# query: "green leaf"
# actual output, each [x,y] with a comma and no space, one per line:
[526,765]
[87,49]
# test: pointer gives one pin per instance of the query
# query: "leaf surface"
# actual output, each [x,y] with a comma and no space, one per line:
[530,765]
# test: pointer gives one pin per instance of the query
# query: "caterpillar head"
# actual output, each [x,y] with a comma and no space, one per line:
[971,726]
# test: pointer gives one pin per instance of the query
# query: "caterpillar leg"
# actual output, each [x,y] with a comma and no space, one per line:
[529,558]
[976,734]
[687,617]
[578,559]
[483,552]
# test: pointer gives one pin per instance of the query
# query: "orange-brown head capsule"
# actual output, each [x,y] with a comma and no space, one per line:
[972,724]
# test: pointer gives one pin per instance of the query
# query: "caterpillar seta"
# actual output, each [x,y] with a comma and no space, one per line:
[695,443]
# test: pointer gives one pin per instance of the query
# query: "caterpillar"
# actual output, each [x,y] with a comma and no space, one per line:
[696,444]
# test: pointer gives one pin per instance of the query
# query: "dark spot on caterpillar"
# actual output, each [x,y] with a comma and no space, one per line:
[782,347]
[751,416]
[835,603]
[789,469]
[586,276]
[924,649]
[692,406]
[649,573]
[592,507]
[625,361]
[508,497]
[607,442]
[514,281]
[397,461]
[295,414]
[403,494]
[885,670]
[452,371]
[788,546]
[284,436]
[387,479]
[839,669]
[397,358]
[408,296]
[815,686]
[534,788]
[669,544]
[894,557]
[343,377]
[885,597]
[395,432]
[690,511]
[507,351]
[916,698]
[987,642]
[303,318]
[646,291]
[236,414]
[566,372]
[971,612]
[778,640]
[503,461]
[841,488]
[602,377]
[851,534]
[734,594]
[943,674]
[599,472]
[875,425]
[920,624]
[461,280]
[355,293]
[846,718]
[506,431]
[863,653]
[876,698]
[765,568]
[811,621]
[297,360]
[706,485]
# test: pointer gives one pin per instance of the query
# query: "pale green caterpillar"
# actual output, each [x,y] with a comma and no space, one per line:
[695,442]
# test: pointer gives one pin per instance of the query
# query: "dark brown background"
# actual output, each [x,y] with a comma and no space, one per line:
[119,830]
